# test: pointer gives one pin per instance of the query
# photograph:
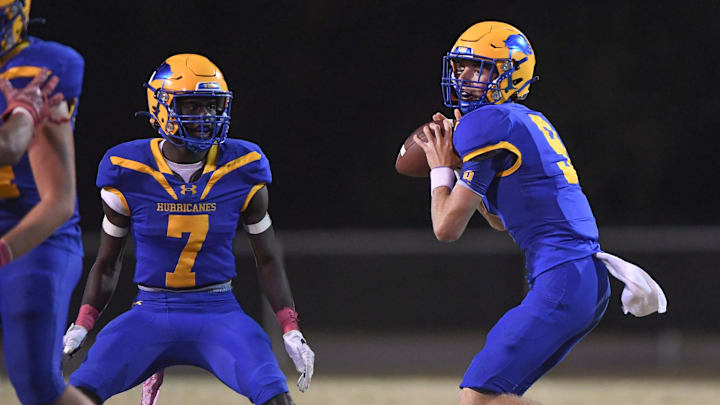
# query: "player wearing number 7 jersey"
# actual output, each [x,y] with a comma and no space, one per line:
[517,172]
[183,197]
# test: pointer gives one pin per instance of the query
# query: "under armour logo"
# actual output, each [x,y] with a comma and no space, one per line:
[468,175]
[184,189]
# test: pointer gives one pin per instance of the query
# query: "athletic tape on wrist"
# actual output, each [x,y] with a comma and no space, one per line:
[261,226]
[288,319]
[112,229]
[87,316]
[6,254]
[22,110]
[441,177]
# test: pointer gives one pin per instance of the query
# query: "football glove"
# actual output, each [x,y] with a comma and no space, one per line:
[73,339]
[304,358]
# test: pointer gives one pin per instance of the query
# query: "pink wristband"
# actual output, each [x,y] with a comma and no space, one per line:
[87,316]
[6,254]
[288,319]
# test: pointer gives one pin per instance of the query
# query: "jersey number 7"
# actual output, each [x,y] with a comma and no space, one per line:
[197,226]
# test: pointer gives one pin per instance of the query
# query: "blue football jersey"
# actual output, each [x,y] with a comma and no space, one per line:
[537,195]
[184,231]
[18,192]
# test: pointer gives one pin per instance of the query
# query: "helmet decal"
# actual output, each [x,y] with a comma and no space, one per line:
[518,42]
[163,72]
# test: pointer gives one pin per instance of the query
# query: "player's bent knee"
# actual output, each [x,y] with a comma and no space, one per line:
[282,399]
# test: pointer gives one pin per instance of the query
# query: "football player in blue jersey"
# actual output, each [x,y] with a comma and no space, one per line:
[40,246]
[515,170]
[183,195]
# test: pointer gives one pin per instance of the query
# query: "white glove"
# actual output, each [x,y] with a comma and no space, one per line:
[641,295]
[73,338]
[302,356]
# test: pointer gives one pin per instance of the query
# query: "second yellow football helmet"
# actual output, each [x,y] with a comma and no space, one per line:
[183,76]
[14,17]
[502,48]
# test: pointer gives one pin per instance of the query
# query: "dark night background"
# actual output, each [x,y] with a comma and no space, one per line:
[331,88]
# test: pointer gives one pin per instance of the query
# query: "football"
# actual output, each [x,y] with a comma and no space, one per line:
[411,160]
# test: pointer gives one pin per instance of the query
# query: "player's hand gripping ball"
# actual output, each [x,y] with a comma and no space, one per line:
[411,161]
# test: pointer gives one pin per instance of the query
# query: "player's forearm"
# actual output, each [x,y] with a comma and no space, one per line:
[101,283]
[271,271]
[275,285]
[51,159]
[448,224]
[36,226]
[15,135]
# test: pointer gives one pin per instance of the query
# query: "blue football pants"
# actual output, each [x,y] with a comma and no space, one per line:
[563,305]
[35,292]
[162,329]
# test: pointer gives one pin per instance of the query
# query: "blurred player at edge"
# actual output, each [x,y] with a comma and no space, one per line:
[183,195]
[515,170]
[40,248]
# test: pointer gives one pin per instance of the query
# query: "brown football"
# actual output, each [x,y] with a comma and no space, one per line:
[411,160]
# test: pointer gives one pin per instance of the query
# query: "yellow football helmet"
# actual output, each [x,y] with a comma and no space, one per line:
[183,76]
[14,17]
[502,48]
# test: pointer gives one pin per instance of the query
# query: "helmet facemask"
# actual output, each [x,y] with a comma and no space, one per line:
[194,131]
[499,81]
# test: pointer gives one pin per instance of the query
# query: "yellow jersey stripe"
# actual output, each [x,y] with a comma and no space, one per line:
[227,168]
[120,196]
[157,154]
[21,71]
[211,161]
[143,168]
[250,195]
[501,145]
[22,45]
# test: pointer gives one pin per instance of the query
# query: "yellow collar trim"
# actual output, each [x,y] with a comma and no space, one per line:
[159,158]
[211,159]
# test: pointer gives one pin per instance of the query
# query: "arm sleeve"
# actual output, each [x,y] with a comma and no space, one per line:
[109,180]
[479,172]
[108,174]
[70,71]
[114,199]
[481,131]
[258,172]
